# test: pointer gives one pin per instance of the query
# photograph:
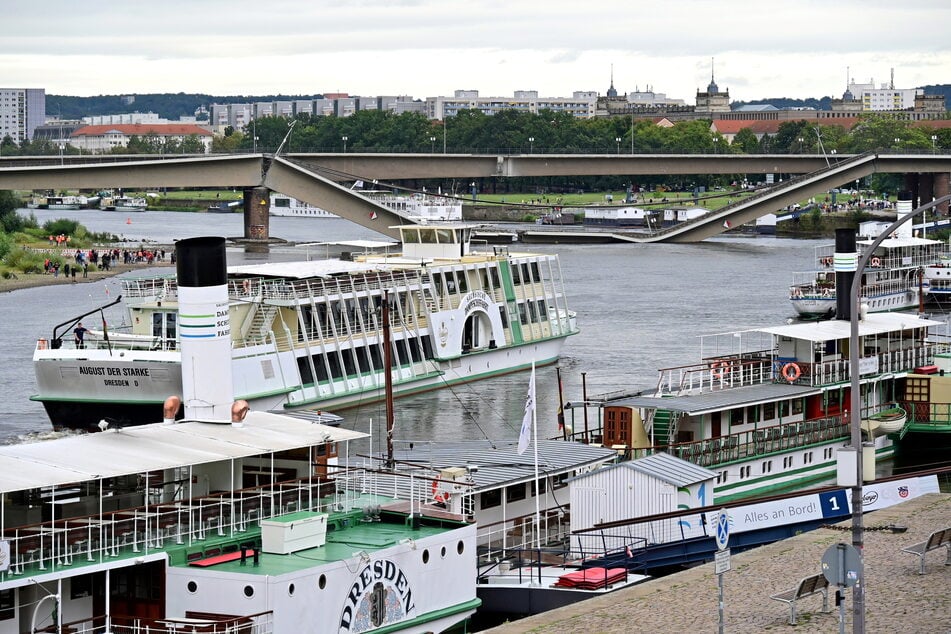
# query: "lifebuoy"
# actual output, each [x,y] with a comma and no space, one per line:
[718,368]
[876,261]
[438,495]
[791,372]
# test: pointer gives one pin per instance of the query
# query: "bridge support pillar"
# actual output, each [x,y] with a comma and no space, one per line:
[942,187]
[257,209]
[913,185]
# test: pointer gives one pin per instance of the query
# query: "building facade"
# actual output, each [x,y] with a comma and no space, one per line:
[104,138]
[22,111]
[581,104]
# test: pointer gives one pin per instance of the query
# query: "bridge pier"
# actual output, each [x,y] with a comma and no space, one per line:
[257,209]
[925,187]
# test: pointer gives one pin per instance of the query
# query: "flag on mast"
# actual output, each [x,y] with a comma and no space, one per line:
[525,435]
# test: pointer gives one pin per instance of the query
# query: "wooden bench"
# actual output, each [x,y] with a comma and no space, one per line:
[935,541]
[814,584]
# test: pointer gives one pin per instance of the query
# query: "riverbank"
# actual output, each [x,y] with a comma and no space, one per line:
[33,280]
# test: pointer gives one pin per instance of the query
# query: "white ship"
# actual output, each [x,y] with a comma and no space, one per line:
[423,207]
[308,335]
[228,521]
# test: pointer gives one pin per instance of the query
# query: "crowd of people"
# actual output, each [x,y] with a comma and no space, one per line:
[103,259]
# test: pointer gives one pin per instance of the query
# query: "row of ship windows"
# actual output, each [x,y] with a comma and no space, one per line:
[351,362]
[521,491]
[766,466]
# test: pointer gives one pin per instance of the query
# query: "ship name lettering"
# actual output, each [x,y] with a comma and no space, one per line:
[85,369]
[381,570]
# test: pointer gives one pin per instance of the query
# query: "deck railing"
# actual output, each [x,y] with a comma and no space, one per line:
[184,523]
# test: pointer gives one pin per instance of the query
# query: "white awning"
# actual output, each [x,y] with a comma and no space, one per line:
[873,324]
[303,269]
[130,450]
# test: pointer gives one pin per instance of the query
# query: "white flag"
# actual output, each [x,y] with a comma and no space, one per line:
[525,435]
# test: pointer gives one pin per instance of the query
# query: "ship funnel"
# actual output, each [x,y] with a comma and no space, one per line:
[845,263]
[903,207]
[205,328]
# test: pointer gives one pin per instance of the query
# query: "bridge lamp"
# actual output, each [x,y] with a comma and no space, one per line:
[344,139]
[432,143]
[617,140]
[934,141]
[531,145]
[800,144]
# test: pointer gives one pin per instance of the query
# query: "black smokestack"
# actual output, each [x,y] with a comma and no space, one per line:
[846,259]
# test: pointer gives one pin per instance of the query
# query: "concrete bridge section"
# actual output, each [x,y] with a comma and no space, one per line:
[315,178]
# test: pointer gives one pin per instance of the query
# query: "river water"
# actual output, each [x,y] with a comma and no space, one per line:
[640,308]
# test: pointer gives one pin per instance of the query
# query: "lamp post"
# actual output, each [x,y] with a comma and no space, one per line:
[531,145]
[344,139]
[432,145]
[801,140]
[897,142]
[716,145]
[854,298]
[934,142]
[617,140]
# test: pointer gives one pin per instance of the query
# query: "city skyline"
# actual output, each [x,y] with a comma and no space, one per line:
[424,48]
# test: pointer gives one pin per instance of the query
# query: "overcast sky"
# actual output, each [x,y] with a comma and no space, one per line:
[424,48]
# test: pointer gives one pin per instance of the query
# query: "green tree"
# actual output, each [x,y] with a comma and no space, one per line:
[10,221]
[746,141]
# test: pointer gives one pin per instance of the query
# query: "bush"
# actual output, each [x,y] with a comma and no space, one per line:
[25,260]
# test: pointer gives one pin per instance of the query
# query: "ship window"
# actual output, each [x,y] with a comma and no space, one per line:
[515,492]
[542,310]
[542,487]
[536,275]
[460,547]
[248,591]
[427,236]
[348,362]
[335,369]
[428,348]
[505,317]
[494,273]
[752,414]
[769,411]
[7,604]
[303,367]
[736,416]
[401,353]
[463,282]
[526,274]
[490,499]
[516,275]
[532,315]
[522,315]
[445,236]
[414,350]
[192,587]
[797,406]
[363,362]
[783,408]
[321,367]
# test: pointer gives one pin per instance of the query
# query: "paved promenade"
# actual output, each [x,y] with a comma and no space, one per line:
[897,598]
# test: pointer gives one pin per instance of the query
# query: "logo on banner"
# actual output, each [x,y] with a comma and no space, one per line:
[903,492]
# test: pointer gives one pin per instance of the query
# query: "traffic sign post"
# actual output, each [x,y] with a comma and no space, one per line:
[841,565]
[721,533]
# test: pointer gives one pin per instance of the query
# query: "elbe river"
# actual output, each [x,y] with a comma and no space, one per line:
[640,308]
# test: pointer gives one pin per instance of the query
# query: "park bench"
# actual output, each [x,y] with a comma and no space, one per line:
[935,541]
[814,584]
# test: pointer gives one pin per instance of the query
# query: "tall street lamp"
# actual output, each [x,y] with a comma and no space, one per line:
[897,141]
[934,141]
[800,144]
[344,139]
[531,145]
[617,140]
[432,145]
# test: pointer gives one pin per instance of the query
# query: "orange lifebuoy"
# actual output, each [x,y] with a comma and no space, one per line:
[718,368]
[791,372]
[876,261]
[438,495]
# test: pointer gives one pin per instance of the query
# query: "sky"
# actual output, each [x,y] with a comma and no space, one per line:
[426,48]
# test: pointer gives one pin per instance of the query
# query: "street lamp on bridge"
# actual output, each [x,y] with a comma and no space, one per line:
[432,145]
[617,140]
[934,142]
[344,139]
[531,145]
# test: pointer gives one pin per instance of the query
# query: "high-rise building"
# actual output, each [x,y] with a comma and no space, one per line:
[22,111]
